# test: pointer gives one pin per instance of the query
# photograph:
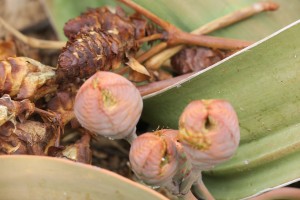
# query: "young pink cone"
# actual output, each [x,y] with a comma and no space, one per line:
[209,132]
[109,105]
[153,157]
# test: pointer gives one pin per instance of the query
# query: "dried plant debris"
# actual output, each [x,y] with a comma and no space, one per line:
[63,104]
[22,78]
[29,137]
[10,110]
[79,152]
[193,59]
[19,135]
[112,155]
[100,40]
[7,49]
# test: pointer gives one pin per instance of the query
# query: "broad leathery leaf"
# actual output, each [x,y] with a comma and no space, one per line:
[35,177]
[262,83]
[189,14]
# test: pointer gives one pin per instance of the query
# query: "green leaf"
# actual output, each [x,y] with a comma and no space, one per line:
[262,83]
[35,177]
[189,14]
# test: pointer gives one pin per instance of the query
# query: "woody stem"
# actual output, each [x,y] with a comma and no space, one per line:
[33,42]
[200,187]
[154,50]
[177,36]
[165,25]
[207,41]
[156,61]
[150,38]
[159,85]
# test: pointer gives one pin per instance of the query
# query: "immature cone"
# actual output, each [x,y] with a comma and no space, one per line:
[109,105]
[209,132]
[153,157]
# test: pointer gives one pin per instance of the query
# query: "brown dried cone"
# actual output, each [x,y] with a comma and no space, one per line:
[100,40]
[128,28]
[23,78]
[154,158]
[109,105]
[92,50]
[193,59]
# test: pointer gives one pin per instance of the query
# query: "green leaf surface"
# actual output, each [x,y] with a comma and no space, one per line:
[190,14]
[262,83]
[36,177]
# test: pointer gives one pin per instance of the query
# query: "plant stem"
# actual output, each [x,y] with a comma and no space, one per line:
[189,181]
[207,41]
[131,137]
[33,42]
[280,193]
[200,186]
[159,85]
[177,36]
[154,50]
[122,71]
[188,196]
[156,61]
[44,112]
[194,181]
[150,38]
[165,25]
[236,16]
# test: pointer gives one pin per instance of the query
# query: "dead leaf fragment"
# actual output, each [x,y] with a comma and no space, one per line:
[136,66]
[7,49]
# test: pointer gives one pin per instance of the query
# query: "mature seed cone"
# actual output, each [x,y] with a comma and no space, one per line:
[23,78]
[127,27]
[92,50]
[100,40]
[193,59]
